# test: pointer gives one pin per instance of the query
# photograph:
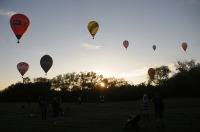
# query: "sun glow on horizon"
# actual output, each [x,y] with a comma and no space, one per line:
[102,84]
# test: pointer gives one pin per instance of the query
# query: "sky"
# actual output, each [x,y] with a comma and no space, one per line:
[59,28]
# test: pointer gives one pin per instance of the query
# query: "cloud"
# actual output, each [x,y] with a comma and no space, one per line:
[7,13]
[134,73]
[90,46]
[171,66]
[143,71]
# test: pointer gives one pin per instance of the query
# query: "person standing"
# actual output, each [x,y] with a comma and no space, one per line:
[145,109]
[79,100]
[43,108]
[159,109]
[56,109]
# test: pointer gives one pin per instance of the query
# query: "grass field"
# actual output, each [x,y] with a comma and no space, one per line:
[181,115]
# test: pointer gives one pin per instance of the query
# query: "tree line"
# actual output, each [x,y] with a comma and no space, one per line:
[183,82]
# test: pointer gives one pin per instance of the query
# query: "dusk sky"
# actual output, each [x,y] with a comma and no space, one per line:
[59,28]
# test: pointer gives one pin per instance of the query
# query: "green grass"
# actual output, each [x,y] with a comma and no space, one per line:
[181,115]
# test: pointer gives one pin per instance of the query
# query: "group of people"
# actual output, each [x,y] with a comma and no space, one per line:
[144,113]
[158,108]
[55,105]
[45,105]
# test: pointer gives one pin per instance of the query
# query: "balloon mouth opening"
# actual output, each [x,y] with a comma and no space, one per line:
[18,37]
[93,36]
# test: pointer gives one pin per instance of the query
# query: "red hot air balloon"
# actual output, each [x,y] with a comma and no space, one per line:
[46,62]
[184,46]
[126,43]
[151,73]
[19,24]
[22,68]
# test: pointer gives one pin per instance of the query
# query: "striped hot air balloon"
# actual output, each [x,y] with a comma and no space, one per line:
[93,27]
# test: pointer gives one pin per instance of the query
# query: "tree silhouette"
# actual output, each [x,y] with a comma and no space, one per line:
[161,75]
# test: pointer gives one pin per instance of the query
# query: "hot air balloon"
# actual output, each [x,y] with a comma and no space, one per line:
[93,28]
[154,47]
[126,43]
[22,68]
[184,46]
[46,62]
[19,24]
[151,73]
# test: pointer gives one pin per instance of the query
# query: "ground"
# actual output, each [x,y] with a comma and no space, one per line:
[181,115]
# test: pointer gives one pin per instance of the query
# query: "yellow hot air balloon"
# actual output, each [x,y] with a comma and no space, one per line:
[93,28]
[184,46]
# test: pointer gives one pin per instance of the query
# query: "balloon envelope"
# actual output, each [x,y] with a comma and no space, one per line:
[19,24]
[22,67]
[126,44]
[154,47]
[151,73]
[46,62]
[184,46]
[93,27]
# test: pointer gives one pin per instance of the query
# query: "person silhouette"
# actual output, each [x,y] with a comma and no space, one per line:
[159,109]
